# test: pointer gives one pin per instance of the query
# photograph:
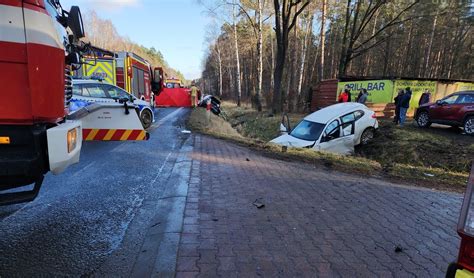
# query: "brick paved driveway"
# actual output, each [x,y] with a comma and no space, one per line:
[315,222]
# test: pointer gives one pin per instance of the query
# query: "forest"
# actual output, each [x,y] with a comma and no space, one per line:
[271,53]
[103,34]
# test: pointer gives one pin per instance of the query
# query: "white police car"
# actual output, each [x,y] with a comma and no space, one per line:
[87,91]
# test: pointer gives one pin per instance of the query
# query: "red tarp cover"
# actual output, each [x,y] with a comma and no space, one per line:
[174,97]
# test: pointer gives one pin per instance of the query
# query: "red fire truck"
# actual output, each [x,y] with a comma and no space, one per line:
[39,46]
[124,69]
[135,75]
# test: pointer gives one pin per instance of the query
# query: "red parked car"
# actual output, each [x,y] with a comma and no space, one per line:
[454,110]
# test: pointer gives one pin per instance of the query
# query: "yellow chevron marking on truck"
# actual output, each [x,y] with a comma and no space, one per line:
[92,134]
[109,134]
[126,134]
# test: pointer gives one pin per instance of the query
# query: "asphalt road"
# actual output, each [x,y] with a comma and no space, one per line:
[95,218]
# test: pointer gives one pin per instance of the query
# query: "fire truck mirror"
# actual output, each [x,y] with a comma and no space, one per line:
[73,58]
[75,23]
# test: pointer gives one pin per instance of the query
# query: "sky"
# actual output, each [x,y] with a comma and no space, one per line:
[174,27]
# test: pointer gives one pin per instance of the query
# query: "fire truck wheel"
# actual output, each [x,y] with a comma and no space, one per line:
[146,118]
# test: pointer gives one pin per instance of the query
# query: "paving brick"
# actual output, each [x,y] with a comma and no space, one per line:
[186,264]
[315,223]
[186,274]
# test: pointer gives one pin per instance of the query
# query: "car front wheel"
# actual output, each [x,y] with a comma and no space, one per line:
[146,118]
[469,125]
[423,120]
[366,136]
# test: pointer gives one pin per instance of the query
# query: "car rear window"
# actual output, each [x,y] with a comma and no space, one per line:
[348,118]
[358,114]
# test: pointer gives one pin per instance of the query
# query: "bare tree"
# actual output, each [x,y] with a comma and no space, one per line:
[322,42]
[286,14]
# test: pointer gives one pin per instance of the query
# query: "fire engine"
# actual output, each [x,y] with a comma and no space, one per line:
[124,69]
[135,75]
[39,46]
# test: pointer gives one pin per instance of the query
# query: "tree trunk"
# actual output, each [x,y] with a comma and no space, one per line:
[368,63]
[343,58]
[322,35]
[272,78]
[278,74]
[430,45]
[259,56]
[237,58]
[219,59]
[304,48]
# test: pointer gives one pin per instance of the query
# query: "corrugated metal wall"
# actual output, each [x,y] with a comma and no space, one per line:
[324,94]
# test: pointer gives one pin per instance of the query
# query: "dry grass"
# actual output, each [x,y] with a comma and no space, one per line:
[216,126]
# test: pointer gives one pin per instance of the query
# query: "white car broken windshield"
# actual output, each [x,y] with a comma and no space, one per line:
[307,130]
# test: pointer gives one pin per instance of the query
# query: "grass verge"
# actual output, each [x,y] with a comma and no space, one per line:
[400,155]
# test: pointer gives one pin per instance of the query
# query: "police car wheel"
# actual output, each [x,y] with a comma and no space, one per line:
[146,118]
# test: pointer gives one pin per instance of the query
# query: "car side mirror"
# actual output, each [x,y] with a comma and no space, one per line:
[284,129]
[74,22]
[441,102]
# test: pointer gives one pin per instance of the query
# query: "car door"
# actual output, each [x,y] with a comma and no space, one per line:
[443,108]
[338,138]
[349,118]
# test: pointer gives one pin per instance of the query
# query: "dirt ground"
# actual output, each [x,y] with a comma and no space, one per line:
[435,147]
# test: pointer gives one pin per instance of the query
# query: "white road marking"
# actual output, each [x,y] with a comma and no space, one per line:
[164,163]
[166,118]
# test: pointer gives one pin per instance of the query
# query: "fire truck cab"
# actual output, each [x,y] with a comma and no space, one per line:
[39,48]
[38,45]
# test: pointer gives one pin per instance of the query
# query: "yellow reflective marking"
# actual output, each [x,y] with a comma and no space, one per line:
[102,67]
[141,136]
[4,140]
[109,134]
[126,134]
[92,134]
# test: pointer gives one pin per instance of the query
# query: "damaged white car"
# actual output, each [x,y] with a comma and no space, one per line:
[336,128]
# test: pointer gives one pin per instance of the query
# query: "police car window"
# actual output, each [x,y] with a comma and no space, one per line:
[77,90]
[95,91]
[358,114]
[85,93]
[115,92]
